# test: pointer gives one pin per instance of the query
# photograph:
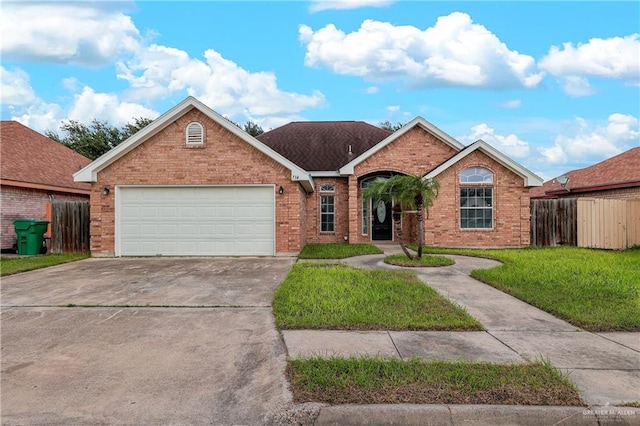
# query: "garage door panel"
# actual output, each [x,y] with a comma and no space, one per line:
[130,212]
[207,230]
[168,212]
[206,212]
[187,212]
[188,230]
[183,221]
[224,212]
[150,228]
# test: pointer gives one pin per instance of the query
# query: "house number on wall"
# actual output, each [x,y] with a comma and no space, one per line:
[381,210]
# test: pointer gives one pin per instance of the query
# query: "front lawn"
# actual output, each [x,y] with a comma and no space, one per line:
[14,265]
[324,296]
[425,261]
[337,251]
[597,290]
[392,381]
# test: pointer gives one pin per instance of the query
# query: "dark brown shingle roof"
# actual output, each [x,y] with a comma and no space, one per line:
[323,145]
[621,171]
[29,157]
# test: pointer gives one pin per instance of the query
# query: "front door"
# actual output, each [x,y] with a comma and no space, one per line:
[382,221]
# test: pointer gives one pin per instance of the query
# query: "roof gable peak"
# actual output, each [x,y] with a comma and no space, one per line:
[90,172]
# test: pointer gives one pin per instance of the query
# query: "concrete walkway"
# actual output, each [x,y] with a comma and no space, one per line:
[605,366]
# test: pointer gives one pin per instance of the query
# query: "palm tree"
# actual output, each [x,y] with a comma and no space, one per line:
[407,192]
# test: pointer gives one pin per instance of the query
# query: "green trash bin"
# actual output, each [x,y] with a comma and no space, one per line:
[30,235]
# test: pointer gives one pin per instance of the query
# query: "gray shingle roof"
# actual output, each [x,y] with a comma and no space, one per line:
[323,145]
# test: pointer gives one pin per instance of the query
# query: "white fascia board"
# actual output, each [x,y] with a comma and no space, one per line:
[325,174]
[348,169]
[530,178]
[90,172]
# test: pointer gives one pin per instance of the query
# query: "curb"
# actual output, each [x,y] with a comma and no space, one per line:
[409,414]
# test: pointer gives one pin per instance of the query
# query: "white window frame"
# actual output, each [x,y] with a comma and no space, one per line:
[327,192]
[194,134]
[476,178]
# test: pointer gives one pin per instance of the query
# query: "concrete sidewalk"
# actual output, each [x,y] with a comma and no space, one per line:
[604,366]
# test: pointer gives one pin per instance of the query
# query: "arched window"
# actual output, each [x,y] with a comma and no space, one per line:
[476,198]
[476,175]
[194,134]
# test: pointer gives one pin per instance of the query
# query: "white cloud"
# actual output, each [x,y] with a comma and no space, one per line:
[372,90]
[512,104]
[454,52]
[592,143]
[576,86]
[160,71]
[319,5]
[106,107]
[510,144]
[391,109]
[34,112]
[554,154]
[15,88]
[60,32]
[40,116]
[614,58]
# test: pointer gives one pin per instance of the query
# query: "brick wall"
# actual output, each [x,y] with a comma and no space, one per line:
[223,159]
[17,202]
[341,194]
[418,152]
[511,209]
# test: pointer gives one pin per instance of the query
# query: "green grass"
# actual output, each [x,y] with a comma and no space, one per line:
[337,251]
[389,381]
[596,290]
[323,296]
[424,261]
[15,265]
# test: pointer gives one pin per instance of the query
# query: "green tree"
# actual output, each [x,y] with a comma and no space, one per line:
[407,193]
[98,137]
[253,128]
[386,125]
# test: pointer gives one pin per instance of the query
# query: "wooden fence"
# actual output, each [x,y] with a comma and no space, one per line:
[69,227]
[586,222]
[608,224]
[554,222]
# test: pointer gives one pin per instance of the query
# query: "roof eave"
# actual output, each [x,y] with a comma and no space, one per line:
[325,173]
[593,188]
[45,187]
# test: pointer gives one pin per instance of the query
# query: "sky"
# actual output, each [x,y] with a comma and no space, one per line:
[553,85]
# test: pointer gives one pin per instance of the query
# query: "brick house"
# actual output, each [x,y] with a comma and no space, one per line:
[35,171]
[193,183]
[617,177]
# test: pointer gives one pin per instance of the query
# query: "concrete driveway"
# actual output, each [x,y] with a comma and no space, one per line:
[143,341]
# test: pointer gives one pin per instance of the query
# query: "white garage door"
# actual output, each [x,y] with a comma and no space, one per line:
[195,221]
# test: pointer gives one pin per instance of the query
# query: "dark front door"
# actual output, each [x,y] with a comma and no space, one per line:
[382,221]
